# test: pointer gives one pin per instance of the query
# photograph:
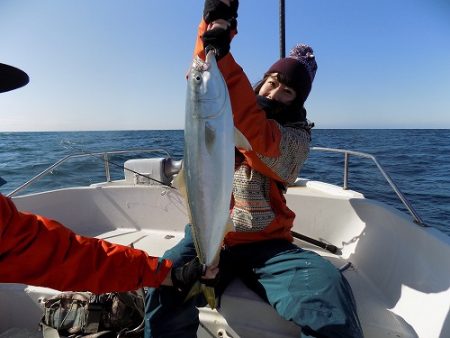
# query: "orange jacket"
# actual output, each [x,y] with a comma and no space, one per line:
[38,251]
[285,148]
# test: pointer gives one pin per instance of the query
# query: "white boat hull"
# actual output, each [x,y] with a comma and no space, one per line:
[400,272]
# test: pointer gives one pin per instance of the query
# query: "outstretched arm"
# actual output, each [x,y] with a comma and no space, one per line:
[39,251]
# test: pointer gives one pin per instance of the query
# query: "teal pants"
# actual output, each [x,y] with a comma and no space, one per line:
[301,285]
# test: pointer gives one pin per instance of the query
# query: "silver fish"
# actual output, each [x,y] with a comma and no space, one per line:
[208,165]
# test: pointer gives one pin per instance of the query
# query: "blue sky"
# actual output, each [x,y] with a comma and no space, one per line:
[120,65]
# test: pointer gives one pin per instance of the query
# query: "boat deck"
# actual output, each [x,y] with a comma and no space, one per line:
[376,319]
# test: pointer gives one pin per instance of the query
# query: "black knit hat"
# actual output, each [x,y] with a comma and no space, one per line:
[298,70]
[12,78]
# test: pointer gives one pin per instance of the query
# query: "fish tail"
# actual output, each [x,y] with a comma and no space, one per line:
[210,296]
[208,293]
[195,290]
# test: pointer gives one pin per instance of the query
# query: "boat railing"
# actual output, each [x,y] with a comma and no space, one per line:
[104,156]
[416,218]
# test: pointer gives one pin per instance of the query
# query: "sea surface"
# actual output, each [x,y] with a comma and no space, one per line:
[418,161]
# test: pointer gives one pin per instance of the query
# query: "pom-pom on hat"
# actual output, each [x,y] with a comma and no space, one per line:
[297,70]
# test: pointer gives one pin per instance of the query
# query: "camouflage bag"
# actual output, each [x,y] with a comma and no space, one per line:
[84,314]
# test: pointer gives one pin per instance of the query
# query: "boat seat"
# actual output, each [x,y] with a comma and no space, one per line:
[260,316]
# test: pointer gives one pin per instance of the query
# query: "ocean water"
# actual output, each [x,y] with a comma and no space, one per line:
[418,161]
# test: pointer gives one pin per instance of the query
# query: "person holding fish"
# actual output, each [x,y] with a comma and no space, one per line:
[302,286]
[39,251]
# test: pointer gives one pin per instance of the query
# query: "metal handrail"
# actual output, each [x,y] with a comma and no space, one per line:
[417,219]
[104,156]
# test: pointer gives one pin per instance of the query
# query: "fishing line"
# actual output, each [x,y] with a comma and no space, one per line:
[74,147]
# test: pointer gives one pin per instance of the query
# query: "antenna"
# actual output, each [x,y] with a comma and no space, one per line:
[282,29]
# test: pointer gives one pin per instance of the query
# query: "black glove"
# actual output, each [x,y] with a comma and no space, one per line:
[217,39]
[184,277]
[216,9]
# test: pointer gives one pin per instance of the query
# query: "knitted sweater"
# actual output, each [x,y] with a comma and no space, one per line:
[259,210]
[253,192]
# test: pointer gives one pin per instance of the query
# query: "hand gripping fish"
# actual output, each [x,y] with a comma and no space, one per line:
[208,167]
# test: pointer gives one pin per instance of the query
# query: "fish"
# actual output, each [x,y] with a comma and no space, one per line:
[206,178]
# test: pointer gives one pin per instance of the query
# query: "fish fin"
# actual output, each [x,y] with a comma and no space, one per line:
[210,136]
[197,246]
[179,182]
[240,140]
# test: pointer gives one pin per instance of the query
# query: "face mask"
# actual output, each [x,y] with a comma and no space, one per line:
[283,114]
[271,107]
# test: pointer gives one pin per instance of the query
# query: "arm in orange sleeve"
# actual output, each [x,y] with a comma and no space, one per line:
[264,135]
[38,251]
